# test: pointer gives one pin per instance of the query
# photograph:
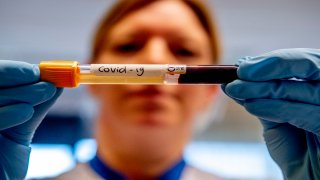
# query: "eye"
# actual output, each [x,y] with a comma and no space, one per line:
[127,48]
[184,52]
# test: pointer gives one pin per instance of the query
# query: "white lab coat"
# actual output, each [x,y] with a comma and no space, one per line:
[84,172]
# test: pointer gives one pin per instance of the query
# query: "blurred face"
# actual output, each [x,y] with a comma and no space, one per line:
[164,32]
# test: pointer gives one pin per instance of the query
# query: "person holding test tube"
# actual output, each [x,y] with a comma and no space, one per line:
[141,130]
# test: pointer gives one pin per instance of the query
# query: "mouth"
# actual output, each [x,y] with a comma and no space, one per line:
[150,101]
[150,105]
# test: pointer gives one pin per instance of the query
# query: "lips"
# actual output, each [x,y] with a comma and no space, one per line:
[150,105]
[150,98]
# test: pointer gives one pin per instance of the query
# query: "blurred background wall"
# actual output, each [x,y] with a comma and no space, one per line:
[36,30]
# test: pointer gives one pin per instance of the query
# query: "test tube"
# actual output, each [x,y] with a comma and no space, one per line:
[71,73]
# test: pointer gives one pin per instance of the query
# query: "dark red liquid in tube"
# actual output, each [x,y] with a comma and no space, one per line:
[208,74]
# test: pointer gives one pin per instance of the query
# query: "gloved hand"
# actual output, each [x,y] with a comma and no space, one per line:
[24,101]
[289,110]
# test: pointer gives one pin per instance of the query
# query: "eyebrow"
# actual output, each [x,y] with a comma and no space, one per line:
[137,31]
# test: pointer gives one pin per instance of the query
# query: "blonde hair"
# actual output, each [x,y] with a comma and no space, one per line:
[125,7]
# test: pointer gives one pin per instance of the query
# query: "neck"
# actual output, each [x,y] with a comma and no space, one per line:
[139,152]
[138,169]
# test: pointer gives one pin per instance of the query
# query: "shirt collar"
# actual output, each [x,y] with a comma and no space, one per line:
[106,172]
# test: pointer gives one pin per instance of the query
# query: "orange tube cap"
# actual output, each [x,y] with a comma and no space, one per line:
[60,72]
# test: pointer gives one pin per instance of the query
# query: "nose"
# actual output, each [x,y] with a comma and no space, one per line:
[156,51]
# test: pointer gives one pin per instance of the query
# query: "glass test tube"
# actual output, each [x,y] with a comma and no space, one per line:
[71,73]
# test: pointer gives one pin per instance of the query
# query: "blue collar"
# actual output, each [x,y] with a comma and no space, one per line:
[107,173]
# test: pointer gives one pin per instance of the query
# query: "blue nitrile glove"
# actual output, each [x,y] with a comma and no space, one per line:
[289,110]
[24,101]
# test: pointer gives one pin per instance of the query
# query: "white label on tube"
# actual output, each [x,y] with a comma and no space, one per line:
[136,70]
[176,68]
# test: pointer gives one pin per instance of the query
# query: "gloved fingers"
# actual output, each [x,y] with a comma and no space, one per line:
[281,64]
[304,116]
[15,114]
[299,91]
[32,94]
[23,133]
[286,144]
[15,73]
[223,87]
[269,124]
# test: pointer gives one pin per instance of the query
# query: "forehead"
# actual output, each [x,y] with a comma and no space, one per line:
[165,17]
